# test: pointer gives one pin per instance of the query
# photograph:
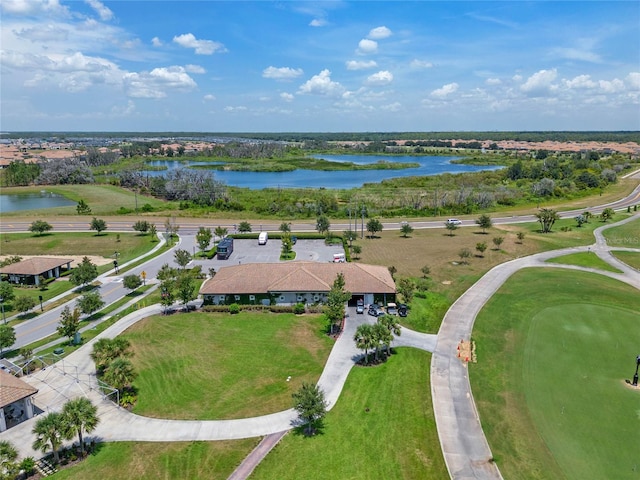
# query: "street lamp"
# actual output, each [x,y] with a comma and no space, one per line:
[635,377]
[4,319]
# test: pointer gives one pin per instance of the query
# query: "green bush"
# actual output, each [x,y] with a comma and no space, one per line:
[298,308]
[234,308]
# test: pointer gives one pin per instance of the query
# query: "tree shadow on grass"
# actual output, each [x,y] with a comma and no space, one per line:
[316,429]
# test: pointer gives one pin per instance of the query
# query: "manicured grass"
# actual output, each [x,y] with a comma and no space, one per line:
[554,348]
[152,461]
[217,365]
[627,235]
[130,246]
[381,427]
[584,259]
[53,290]
[630,258]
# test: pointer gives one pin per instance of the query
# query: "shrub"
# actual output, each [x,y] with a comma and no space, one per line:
[234,308]
[298,308]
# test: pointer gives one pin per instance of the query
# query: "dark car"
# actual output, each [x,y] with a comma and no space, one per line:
[402,310]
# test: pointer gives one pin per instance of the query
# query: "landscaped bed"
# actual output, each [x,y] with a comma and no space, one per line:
[554,349]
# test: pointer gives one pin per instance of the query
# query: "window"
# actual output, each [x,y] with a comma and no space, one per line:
[252,298]
[237,297]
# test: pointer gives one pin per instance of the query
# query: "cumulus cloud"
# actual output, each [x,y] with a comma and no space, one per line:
[281,73]
[383,77]
[613,86]
[360,64]
[379,33]
[445,90]
[194,69]
[318,22]
[287,97]
[577,54]
[366,47]
[44,33]
[156,42]
[633,80]
[540,82]
[154,84]
[209,97]
[201,47]
[493,81]
[581,81]
[415,63]
[392,107]
[31,7]
[103,11]
[322,84]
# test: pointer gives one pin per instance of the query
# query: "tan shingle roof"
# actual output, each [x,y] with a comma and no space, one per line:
[35,265]
[13,389]
[298,277]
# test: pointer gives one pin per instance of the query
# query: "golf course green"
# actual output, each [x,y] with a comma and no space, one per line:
[550,386]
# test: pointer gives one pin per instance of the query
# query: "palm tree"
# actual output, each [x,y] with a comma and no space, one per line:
[106,350]
[50,431]
[392,325]
[80,414]
[8,455]
[120,373]
[364,338]
[381,336]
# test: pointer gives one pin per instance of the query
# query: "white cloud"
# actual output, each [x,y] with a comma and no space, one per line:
[581,81]
[156,42]
[392,107]
[282,73]
[445,90]
[361,64]
[493,81]
[209,97]
[154,84]
[577,54]
[194,69]
[540,82]
[366,47]
[318,22]
[240,108]
[517,78]
[379,33]
[32,7]
[103,11]
[613,86]
[124,111]
[633,80]
[415,63]
[322,84]
[383,77]
[201,47]
[287,97]
[44,33]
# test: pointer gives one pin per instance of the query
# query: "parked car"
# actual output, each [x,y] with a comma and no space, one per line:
[454,221]
[375,311]
[402,310]
[392,309]
[360,309]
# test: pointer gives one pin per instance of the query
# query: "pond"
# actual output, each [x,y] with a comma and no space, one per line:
[32,201]
[429,165]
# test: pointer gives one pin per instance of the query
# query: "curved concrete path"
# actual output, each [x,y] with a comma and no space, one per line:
[464,446]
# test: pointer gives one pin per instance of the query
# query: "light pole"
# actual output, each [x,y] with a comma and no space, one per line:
[4,319]
[635,377]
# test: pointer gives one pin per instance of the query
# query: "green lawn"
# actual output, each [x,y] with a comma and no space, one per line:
[627,235]
[630,258]
[152,461]
[381,427]
[217,365]
[584,259]
[554,348]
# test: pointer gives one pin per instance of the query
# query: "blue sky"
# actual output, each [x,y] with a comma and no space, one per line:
[331,66]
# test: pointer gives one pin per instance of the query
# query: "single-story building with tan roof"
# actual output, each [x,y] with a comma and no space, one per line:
[29,271]
[288,283]
[15,400]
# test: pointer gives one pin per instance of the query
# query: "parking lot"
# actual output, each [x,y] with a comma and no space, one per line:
[248,251]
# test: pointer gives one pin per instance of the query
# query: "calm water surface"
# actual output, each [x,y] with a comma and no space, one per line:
[32,201]
[332,179]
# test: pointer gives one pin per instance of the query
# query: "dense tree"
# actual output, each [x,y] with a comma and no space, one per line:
[322,224]
[381,336]
[50,431]
[357,250]
[84,273]
[98,225]
[350,236]
[90,302]
[406,287]
[141,226]
[131,282]
[167,293]
[452,227]
[80,416]
[105,350]
[8,457]
[287,244]
[607,214]
[203,238]
[186,288]
[182,257]
[120,373]
[311,406]
[7,337]
[580,220]
[39,227]
[220,232]
[484,222]
[497,241]
[65,171]
[7,292]
[481,247]
[24,303]
[199,187]
[406,230]
[547,217]
[69,323]
[334,308]
[83,208]
[18,172]
[391,324]
[374,226]
[244,227]
[285,227]
[365,339]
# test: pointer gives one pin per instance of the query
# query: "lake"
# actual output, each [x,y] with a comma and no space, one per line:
[429,165]
[32,201]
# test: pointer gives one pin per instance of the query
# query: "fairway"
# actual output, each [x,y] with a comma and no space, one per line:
[554,348]
[209,366]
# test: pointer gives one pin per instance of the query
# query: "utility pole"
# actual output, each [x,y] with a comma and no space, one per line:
[362,232]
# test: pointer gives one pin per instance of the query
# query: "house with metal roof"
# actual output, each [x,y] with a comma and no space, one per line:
[287,283]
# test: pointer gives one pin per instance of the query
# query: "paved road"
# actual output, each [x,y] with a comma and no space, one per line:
[465,448]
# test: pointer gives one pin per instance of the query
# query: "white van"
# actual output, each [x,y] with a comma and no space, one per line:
[262,238]
[338,258]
